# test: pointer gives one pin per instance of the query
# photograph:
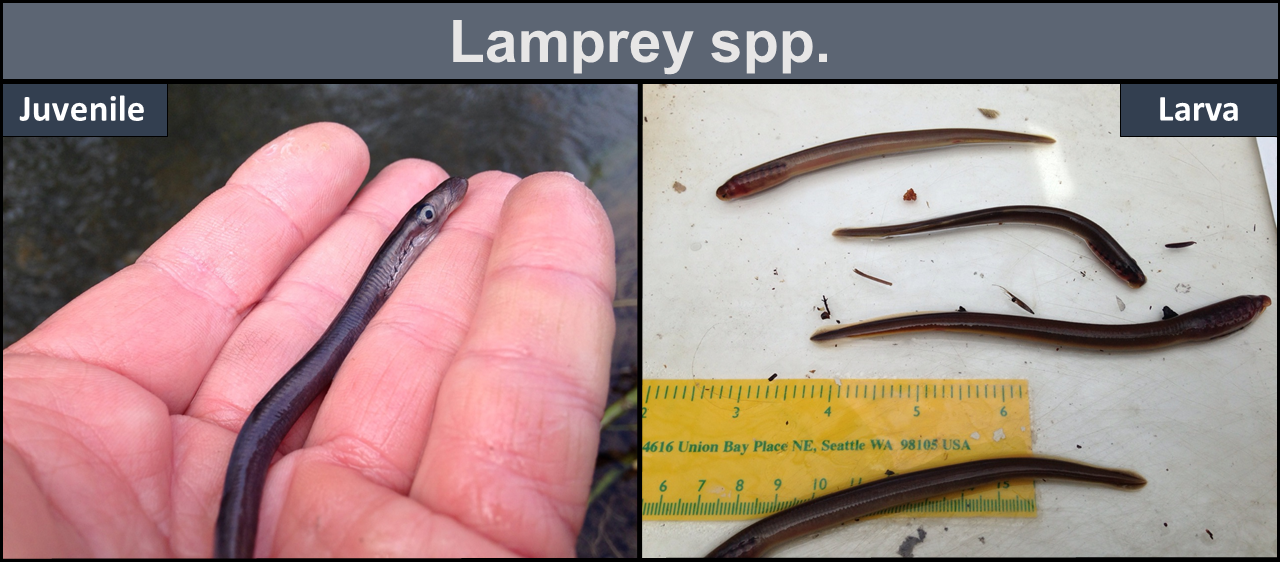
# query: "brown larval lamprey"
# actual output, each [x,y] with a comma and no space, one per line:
[1099,241]
[1213,321]
[774,172]
[865,499]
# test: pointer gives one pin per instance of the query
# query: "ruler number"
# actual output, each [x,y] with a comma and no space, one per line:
[644,412]
[735,411]
[820,484]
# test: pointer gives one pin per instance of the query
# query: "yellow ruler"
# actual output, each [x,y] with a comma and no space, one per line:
[742,449]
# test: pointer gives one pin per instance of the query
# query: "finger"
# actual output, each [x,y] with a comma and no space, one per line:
[161,321]
[517,418]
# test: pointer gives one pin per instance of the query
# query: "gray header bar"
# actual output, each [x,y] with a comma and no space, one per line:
[640,42]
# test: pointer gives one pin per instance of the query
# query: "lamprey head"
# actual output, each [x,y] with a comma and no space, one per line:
[442,200]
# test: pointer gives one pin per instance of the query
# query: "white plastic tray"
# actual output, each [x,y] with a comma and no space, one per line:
[730,290]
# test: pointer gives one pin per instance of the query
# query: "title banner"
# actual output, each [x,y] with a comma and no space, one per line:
[639,42]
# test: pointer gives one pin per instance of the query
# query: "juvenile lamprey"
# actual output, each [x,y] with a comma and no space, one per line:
[774,172]
[1098,240]
[868,498]
[1213,321]
[267,424]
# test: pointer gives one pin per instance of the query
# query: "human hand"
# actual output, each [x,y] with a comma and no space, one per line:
[464,421]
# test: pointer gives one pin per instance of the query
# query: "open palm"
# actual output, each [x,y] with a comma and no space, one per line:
[463,423]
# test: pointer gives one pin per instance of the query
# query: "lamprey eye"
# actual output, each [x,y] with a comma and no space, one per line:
[427,214]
